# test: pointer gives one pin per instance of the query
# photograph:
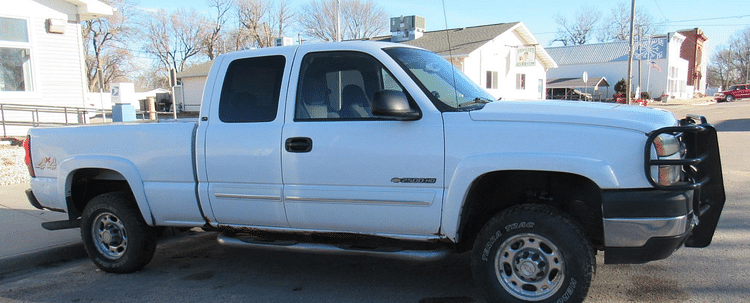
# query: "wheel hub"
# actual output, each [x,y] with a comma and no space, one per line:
[530,267]
[109,236]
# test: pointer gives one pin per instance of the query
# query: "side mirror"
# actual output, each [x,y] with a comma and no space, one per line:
[393,104]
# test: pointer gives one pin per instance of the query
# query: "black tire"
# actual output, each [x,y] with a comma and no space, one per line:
[533,253]
[730,98]
[115,236]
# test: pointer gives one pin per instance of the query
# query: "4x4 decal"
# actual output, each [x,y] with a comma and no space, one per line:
[47,163]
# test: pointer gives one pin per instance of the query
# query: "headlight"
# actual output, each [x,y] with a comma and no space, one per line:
[669,174]
[668,146]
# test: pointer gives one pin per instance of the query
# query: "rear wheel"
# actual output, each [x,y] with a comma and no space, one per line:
[533,253]
[115,236]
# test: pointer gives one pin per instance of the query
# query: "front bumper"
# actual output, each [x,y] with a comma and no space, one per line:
[645,225]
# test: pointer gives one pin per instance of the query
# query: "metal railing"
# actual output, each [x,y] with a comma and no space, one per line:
[51,115]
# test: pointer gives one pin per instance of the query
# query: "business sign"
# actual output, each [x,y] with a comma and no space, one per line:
[526,57]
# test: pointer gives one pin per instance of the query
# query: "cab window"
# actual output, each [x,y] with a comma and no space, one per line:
[340,86]
[251,88]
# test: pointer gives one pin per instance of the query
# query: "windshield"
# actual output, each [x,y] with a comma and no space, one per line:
[446,84]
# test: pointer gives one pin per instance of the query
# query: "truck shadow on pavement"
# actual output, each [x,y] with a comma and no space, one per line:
[736,125]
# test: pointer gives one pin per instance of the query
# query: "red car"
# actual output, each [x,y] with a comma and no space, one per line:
[734,92]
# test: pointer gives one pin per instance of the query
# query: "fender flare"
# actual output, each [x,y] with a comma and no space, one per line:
[120,165]
[473,167]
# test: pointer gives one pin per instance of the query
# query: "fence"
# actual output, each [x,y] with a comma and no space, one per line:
[19,115]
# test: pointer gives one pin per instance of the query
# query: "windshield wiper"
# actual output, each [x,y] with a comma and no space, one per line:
[477,100]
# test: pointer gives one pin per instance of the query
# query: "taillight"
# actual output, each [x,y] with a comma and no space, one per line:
[27,159]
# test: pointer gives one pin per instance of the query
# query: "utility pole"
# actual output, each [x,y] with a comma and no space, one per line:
[338,20]
[630,55]
[640,56]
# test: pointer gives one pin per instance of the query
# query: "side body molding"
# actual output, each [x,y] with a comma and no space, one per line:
[122,166]
[472,167]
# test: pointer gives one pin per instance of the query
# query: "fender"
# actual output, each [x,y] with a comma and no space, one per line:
[471,168]
[122,166]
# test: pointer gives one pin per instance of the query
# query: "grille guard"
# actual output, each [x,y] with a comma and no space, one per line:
[702,173]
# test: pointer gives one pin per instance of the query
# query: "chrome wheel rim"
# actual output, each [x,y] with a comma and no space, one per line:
[530,267]
[109,235]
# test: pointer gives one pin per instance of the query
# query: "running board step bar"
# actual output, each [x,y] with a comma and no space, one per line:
[340,249]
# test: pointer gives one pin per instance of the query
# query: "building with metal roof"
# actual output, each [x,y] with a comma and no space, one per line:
[657,66]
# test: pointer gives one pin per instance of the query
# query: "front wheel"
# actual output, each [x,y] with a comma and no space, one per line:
[115,236]
[533,253]
[730,98]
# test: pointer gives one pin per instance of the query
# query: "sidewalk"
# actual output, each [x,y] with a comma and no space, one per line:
[674,102]
[23,241]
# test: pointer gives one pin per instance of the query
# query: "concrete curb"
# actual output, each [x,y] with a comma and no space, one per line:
[41,257]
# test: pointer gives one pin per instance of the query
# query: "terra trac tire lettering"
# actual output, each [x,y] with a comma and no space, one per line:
[533,253]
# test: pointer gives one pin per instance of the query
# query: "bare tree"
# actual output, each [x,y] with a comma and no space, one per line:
[363,19]
[359,19]
[261,21]
[731,65]
[283,17]
[104,44]
[174,39]
[720,71]
[213,39]
[580,29]
[253,17]
[617,27]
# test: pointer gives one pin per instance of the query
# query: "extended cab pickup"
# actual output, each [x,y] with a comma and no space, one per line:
[387,150]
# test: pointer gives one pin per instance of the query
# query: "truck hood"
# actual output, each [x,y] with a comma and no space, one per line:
[637,118]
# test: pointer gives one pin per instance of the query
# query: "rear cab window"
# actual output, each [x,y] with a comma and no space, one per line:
[251,90]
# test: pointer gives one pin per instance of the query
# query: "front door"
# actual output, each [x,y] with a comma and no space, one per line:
[345,169]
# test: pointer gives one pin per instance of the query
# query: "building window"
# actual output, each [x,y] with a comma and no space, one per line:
[15,56]
[491,80]
[521,81]
[540,88]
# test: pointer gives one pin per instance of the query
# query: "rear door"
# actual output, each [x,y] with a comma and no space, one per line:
[345,169]
[241,175]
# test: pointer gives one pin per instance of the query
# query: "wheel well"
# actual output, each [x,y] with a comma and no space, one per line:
[494,192]
[88,183]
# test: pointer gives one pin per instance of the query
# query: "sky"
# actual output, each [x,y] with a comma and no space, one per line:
[719,19]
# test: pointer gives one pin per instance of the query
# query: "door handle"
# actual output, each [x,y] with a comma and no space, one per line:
[298,145]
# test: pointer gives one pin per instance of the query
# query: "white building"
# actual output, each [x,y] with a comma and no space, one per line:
[659,69]
[503,58]
[189,90]
[42,59]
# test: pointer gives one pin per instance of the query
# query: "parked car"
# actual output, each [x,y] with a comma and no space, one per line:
[734,92]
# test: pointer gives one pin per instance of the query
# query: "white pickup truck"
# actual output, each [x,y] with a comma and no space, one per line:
[386,150]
